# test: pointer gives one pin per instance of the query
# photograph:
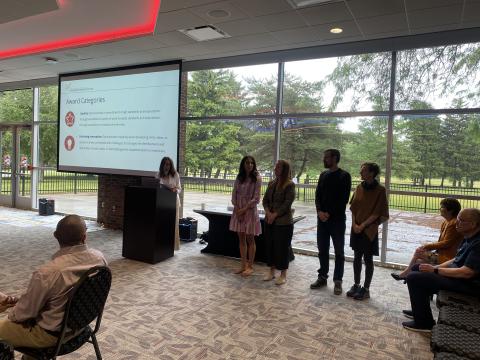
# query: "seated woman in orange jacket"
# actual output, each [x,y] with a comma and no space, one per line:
[446,246]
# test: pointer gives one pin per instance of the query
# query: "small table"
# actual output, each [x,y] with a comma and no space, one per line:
[222,241]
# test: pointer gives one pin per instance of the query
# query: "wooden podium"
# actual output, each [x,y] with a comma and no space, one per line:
[149,223]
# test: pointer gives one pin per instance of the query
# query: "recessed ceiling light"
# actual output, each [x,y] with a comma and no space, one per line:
[336,30]
[204,33]
[218,13]
[51,61]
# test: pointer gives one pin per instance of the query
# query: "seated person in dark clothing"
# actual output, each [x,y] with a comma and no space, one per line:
[461,274]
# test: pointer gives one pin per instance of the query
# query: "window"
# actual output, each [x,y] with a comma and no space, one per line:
[233,91]
[349,83]
[438,78]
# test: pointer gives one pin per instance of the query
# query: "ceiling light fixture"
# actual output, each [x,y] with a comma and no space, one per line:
[336,30]
[51,61]
[205,33]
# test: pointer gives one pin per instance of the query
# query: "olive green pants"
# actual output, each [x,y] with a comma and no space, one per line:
[17,335]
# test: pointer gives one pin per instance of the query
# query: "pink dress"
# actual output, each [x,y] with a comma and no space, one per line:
[246,194]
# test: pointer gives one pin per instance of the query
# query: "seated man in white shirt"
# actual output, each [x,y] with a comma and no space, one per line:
[35,318]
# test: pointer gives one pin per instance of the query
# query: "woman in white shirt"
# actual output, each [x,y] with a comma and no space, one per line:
[169,178]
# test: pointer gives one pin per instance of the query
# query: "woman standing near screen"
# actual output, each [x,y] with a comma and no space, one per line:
[277,203]
[245,221]
[169,178]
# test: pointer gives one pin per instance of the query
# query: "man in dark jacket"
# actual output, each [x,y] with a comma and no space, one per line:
[331,198]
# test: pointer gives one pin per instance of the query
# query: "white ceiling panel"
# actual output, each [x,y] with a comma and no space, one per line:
[472,12]
[176,20]
[382,24]
[316,34]
[428,4]
[471,24]
[326,14]
[184,50]
[171,5]
[174,53]
[262,7]
[392,34]
[31,73]
[11,10]
[282,21]
[243,27]
[370,8]
[435,17]
[4,78]
[234,12]
[173,38]
[22,62]
[91,51]
[243,42]
[302,35]
[137,57]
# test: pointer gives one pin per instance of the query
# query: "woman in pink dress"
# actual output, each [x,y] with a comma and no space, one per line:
[245,221]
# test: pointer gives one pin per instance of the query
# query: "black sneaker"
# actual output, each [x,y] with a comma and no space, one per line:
[6,351]
[319,283]
[410,325]
[337,289]
[353,290]
[408,313]
[362,294]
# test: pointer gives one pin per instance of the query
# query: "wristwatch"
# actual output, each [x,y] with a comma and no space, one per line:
[435,270]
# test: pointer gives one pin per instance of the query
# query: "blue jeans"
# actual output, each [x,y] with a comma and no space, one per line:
[335,229]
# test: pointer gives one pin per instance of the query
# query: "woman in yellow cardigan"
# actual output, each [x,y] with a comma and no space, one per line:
[446,246]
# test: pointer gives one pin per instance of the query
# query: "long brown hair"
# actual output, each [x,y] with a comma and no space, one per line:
[162,166]
[242,174]
[286,176]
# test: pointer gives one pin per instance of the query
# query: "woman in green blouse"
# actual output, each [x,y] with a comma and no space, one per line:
[278,230]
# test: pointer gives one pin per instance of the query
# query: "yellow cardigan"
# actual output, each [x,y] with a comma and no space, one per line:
[448,242]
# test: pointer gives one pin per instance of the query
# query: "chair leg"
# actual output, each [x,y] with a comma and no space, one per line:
[95,346]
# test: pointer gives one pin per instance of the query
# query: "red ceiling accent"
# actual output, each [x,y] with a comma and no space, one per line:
[88,39]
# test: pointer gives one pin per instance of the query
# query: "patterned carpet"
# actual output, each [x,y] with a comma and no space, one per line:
[192,307]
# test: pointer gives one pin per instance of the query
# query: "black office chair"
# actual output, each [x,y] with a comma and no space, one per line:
[86,302]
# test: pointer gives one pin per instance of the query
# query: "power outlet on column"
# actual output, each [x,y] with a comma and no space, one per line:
[114,208]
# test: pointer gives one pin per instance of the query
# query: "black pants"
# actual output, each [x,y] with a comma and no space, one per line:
[278,239]
[421,285]
[357,267]
[336,230]
[6,351]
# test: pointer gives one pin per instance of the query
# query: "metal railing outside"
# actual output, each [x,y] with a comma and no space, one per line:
[50,181]
[420,198]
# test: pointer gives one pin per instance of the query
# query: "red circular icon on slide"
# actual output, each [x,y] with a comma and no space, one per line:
[69,143]
[70,118]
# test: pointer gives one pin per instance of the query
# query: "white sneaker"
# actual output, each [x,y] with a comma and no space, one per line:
[268,277]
